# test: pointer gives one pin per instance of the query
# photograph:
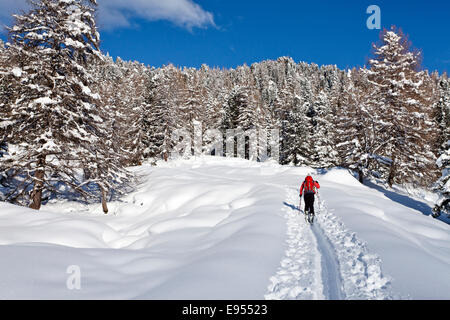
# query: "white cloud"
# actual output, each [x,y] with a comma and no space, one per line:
[185,13]
[120,13]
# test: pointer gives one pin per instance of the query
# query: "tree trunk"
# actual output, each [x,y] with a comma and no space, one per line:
[166,157]
[360,176]
[36,195]
[104,205]
[392,174]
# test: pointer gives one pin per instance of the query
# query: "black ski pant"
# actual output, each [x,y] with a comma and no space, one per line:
[309,202]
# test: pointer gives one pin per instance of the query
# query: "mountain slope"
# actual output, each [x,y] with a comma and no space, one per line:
[214,228]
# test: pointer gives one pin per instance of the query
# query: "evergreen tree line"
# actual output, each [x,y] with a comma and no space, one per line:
[390,120]
[72,119]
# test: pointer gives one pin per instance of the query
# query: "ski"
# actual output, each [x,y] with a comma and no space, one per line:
[309,217]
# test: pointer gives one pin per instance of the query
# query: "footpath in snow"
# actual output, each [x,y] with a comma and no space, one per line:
[214,228]
[325,261]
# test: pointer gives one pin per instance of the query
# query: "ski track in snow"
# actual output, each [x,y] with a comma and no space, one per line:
[325,261]
[298,277]
[331,277]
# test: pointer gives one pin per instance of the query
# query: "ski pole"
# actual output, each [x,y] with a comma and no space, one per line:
[318,197]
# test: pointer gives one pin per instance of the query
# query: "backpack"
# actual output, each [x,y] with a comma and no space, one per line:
[309,186]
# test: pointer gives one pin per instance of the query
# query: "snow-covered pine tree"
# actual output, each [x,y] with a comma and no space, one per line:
[162,116]
[322,133]
[236,99]
[4,83]
[134,113]
[247,104]
[408,134]
[443,111]
[213,82]
[302,140]
[294,124]
[107,79]
[295,143]
[122,87]
[141,128]
[191,105]
[443,184]
[274,105]
[241,105]
[55,117]
[354,123]
[252,118]
[233,119]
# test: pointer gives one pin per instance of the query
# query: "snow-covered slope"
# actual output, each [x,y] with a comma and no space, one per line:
[214,228]
[414,248]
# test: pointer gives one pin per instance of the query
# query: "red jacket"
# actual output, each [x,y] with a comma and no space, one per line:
[309,185]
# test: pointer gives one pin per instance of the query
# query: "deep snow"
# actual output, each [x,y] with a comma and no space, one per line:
[216,228]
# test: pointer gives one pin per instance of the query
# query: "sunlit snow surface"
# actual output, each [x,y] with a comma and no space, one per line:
[214,228]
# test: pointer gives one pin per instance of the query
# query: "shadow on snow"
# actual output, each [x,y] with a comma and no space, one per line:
[406,201]
[293,207]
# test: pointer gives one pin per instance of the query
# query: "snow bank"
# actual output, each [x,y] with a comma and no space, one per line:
[414,248]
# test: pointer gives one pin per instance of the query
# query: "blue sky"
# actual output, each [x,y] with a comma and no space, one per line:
[228,33]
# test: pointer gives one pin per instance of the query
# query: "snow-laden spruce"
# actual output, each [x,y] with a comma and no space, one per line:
[443,184]
[404,123]
[52,117]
